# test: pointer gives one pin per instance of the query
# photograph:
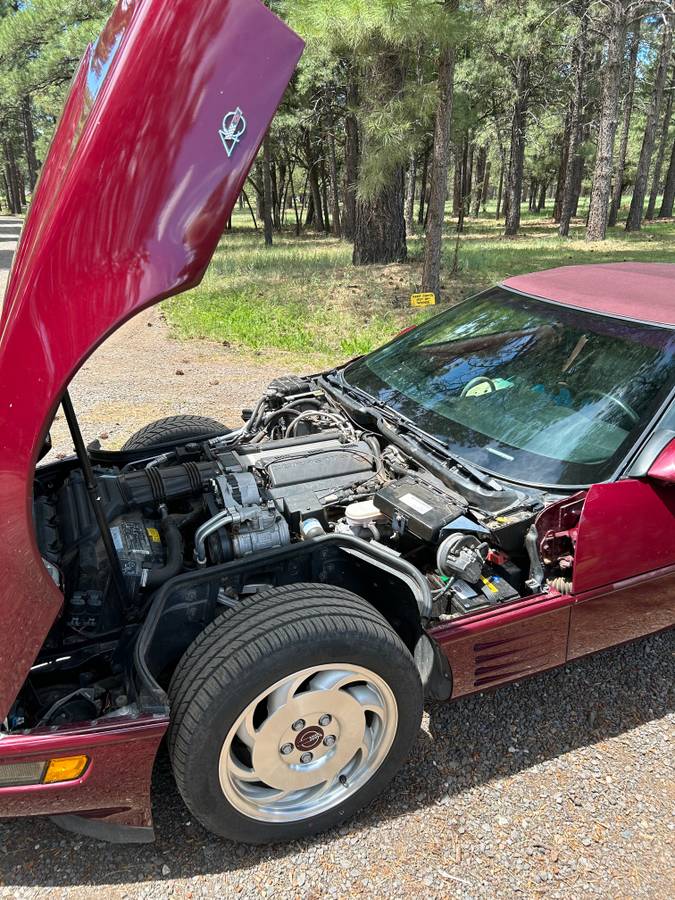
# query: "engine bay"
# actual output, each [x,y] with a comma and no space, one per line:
[303,466]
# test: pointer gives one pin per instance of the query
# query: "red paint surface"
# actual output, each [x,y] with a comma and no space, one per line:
[628,610]
[627,528]
[663,468]
[506,643]
[116,782]
[134,196]
[644,291]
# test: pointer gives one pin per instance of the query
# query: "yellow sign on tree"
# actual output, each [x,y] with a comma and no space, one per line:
[423,300]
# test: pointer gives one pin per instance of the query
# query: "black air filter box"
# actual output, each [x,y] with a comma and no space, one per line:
[421,509]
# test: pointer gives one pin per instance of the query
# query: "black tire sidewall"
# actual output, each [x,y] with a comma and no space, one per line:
[206,797]
[174,430]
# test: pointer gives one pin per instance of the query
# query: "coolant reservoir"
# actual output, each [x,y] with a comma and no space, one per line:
[360,515]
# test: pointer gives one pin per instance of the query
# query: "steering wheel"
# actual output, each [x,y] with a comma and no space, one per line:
[624,407]
[477,382]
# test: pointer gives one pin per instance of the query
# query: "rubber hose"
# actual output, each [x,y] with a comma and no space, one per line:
[174,555]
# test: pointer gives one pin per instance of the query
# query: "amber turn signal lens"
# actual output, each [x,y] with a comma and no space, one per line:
[66,769]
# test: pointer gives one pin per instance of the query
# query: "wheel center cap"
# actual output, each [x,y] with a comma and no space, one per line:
[309,738]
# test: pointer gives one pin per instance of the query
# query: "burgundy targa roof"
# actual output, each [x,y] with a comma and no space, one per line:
[641,291]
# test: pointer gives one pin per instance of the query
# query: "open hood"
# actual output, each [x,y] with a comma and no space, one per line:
[164,119]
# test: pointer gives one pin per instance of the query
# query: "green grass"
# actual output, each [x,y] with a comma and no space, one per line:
[304,297]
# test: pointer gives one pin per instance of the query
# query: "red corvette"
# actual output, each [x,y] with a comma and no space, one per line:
[490,495]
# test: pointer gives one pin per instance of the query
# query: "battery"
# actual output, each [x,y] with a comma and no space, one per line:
[497,590]
[466,599]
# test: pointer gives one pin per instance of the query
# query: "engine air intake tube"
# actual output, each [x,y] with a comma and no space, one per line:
[159,485]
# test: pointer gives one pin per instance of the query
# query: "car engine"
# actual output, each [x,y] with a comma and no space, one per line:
[301,467]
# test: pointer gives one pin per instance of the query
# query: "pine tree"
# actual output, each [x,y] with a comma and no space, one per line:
[634,220]
[440,159]
[615,26]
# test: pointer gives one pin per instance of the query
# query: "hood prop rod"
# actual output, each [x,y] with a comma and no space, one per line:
[94,496]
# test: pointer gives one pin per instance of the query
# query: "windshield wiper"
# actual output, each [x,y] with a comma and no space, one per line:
[378,409]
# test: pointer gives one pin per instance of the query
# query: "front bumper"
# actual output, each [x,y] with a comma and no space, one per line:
[112,798]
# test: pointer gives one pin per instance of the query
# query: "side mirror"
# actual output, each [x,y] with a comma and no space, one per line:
[663,467]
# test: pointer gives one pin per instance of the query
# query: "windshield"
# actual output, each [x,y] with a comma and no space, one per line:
[537,392]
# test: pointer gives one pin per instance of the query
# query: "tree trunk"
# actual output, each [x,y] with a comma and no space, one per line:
[313,178]
[541,202]
[267,191]
[617,190]
[324,198]
[283,199]
[463,183]
[421,213]
[481,165]
[661,154]
[467,188]
[500,190]
[507,179]
[579,167]
[562,169]
[294,199]
[431,275]
[514,186]
[486,185]
[532,196]
[332,162]
[380,224]
[351,162]
[576,123]
[276,199]
[309,221]
[669,189]
[11,175]
[410,195]
[29,141]
[602,175]
[457,176]
[634,220]
[380,214]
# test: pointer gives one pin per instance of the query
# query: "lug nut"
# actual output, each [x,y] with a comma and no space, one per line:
[306,758]
[298,725]
[329,740]
[325,720]
[286,749]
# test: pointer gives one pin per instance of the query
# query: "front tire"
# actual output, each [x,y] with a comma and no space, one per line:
[167,432]
[290,713]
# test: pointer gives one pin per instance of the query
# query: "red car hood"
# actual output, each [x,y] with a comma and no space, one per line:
[164,119]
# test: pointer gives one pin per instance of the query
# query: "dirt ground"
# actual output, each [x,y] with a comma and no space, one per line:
[141,373]
[559,787]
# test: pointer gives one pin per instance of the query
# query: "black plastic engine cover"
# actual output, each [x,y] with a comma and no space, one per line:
[418,508]
[303,484]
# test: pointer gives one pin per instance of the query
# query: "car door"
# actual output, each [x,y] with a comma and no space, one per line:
[624,569]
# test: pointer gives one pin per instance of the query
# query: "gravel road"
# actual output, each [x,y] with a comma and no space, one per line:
[559,787]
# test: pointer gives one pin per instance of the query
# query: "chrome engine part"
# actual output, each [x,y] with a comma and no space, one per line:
[245,523]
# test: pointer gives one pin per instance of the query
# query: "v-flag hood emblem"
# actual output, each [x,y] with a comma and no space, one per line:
[233,130]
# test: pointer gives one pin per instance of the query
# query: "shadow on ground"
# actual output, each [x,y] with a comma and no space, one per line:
[469,744]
